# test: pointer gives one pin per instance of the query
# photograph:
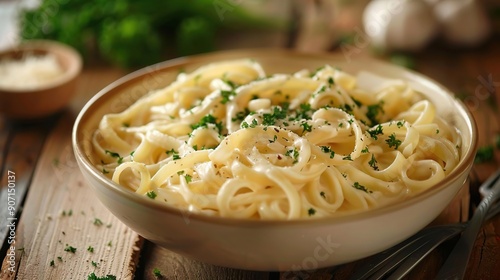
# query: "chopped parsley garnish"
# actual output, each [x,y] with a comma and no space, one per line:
[240,116]
[229,83]
[52,263]
[92,276]
[59,258]
[125,124]
[180,172]
[293,154]
[316,71]
[348,157]
[70,249]
[206,120]
[311,211]
[393,142]
[109,244]
[322,194]
[304,112]
[274,139]
[94,264]
[90,249]
[104,171]
[321,90]
[98,222]
[376,131]
[373,111]
[360,187]
[277,114]
[174,153]
[226,95]
[437,131]
[188,178]
[373,162]
[151,194]
[331,81]
[400,124]
[252,125]
[115,155]
[306,127]
[157,272]
[365,150]
[327,150]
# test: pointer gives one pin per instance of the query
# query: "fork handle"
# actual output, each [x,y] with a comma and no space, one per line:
[456,264]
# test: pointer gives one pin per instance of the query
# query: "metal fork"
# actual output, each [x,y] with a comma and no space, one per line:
[403,257]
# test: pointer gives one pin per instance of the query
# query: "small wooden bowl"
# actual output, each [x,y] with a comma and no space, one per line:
[30,104]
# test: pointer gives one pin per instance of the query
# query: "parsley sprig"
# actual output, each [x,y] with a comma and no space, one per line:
[392,141]
[208,119]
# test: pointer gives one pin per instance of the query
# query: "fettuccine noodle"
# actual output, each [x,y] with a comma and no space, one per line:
[229,140]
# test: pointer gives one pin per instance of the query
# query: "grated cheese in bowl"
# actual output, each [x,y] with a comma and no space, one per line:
[30,72]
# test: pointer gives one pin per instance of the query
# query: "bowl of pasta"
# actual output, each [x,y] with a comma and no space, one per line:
[273,159]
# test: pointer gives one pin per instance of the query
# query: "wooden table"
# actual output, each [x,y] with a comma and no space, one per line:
[64,232]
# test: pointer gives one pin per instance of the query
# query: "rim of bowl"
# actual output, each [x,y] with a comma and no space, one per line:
[178,63]
[50,47]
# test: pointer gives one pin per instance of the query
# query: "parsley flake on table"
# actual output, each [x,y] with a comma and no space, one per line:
[98,222]
[157,273]
[92,276]
[70,249]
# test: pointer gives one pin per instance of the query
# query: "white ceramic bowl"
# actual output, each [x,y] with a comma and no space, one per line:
[270,245]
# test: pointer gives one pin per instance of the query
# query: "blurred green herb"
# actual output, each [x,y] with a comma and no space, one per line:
[484,154]
[403,60]
[133,34]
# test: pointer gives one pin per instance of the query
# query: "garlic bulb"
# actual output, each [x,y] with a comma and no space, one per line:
[464,22]
[400,24]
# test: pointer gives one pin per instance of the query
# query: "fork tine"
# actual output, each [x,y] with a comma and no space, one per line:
[411,261]
[382,263]
[415,257]
[394,253]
